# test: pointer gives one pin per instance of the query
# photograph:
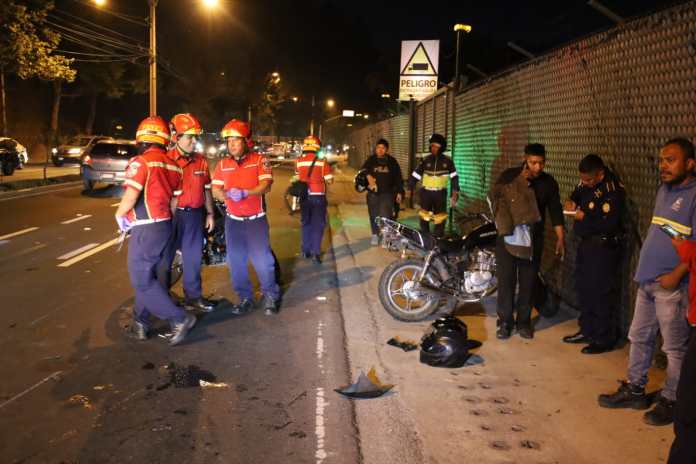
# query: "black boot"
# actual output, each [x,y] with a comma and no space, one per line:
[525,331]
[504,331]
[577,337]
[243,307]
[201,304]
[180,329]
[627,396]
[661,414]
[316,259]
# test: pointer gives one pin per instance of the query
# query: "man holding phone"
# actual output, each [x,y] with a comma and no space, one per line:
[662,298]
[598,204]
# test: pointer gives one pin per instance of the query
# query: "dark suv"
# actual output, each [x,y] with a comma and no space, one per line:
[9,156]
[106,162]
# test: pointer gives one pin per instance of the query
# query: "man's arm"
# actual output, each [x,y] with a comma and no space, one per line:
[130,197]
[261,189]
[556,213]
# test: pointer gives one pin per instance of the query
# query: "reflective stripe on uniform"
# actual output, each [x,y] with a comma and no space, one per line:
[133,184]
[157,164]
[682,229]
[245,218]
[435,182]
[416,175]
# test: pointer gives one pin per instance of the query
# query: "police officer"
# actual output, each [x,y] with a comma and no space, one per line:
[190,214]
[433,172]
[316,173]
[598,203]
[240,180]
[152,183]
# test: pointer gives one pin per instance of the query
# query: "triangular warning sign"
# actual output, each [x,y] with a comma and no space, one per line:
[419,64]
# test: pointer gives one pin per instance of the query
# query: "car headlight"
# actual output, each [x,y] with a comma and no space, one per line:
[212,150]
[221,147]
[199,147]
[75,151]
[54,150]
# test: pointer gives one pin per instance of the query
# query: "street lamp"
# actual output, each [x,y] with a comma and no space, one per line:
[330,103]
[210,3]
[459,28]
[100,2]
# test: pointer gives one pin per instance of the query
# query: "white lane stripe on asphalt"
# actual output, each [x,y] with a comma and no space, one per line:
[79,218]
[89,253]
[78,251]
[17,197]
[115,204]
[19,232]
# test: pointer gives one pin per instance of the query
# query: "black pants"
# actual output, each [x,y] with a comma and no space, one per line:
[596,269]
[435,201]
[379,204]
[511,272]
[684,446]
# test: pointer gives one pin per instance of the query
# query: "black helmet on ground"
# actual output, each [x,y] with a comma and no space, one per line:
[360,181]
[448,348]
[440,140]
[450,323]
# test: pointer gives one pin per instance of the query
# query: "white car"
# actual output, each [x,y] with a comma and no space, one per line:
[21,150]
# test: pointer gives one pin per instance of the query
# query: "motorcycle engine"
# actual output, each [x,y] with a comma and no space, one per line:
[480,274]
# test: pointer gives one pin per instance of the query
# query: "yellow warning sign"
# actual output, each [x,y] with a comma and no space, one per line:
[419,64]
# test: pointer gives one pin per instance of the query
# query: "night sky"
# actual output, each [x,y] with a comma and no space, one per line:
[346,50]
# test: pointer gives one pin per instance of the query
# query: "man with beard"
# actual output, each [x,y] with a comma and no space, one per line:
[662,299]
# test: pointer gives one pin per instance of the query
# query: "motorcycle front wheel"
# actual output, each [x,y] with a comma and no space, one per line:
[177,268]
[403,297]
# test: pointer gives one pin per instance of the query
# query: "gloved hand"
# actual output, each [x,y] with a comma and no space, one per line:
[236,194]
[123,223]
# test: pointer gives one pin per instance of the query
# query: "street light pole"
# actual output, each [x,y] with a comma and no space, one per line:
[153,57]
[311,122]
[459,28]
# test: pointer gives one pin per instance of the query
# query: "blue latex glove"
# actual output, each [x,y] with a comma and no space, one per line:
[123,223]
[236,194]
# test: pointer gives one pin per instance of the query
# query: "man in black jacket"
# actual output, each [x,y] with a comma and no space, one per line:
[513,270]
[385,185]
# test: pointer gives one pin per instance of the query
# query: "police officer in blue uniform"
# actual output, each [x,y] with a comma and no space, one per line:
[598,203]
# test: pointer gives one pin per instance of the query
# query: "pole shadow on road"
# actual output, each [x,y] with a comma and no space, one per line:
[352,248]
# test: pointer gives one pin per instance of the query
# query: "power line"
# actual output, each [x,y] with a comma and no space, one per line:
[98,26]
[99,38]
[124,17]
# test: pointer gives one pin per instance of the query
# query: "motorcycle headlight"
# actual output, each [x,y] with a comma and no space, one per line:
[75,151]
[54,150]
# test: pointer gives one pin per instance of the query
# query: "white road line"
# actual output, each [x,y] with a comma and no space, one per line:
[36,385]
[19,232]
[89,253]
[115,204]
[78,251]
[79,218]
[319,428]
[17,197]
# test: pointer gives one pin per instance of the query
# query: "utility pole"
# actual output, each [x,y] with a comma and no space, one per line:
[459,28]
[311,122]
[153,57]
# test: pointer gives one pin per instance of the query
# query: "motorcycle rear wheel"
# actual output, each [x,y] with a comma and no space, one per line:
[399,291]
[177,268]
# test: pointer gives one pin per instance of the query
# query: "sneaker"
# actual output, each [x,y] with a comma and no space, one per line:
[201,304]
[243,307]
[316,259]
[139,329]
[306,254]
[270,306]
[576,338]
[181,329]
[374,241]
[661,414]
[627,396]
[504,332]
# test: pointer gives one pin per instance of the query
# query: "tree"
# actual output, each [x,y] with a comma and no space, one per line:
[97,79]
[26,49]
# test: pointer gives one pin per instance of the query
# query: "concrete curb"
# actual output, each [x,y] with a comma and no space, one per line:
[38,190]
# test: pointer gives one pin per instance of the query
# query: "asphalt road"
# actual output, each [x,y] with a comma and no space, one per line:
[76,388]
[36,171]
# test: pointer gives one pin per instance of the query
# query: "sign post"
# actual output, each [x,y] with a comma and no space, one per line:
[419,68]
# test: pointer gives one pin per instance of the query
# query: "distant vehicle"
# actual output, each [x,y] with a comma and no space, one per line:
[72,151]
[21,149]
[106,161]
[9,156]
[211,146]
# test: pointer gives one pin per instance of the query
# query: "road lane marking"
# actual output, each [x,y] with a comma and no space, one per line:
[19,232]
[17,197]
[36,385]
[319,428]
[115,204]
[89,253]
[79,218]
[78,251]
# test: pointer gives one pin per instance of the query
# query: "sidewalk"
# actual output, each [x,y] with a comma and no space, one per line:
[527,402]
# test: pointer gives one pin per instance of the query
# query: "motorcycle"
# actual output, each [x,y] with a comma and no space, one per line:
[453,269]
[214,246]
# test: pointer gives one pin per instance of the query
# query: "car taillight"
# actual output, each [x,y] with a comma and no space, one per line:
[87,160]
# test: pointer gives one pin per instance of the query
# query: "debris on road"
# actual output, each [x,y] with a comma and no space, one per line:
[205,384]
[321,298]
[189,376]
[406,345]
[80,400]
[367,386]
[148,366]
[103,387]
[529,444]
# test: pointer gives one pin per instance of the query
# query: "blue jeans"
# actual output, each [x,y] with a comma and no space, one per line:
[249,241]
[657,308]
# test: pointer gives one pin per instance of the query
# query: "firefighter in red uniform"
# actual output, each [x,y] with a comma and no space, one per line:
[316,173]
[194,206]
[241,180]
[152,183]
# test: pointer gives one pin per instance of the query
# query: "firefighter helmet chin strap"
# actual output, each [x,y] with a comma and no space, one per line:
[181,150]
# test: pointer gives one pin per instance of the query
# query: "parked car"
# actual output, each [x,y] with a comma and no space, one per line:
[105,161]
[21,149]
[9,156]
[211,146]
[72,151]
